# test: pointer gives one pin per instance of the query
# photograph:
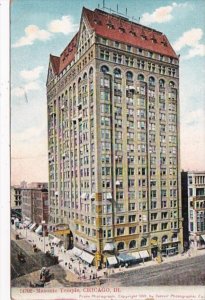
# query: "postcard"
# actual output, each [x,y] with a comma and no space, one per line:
[107,196]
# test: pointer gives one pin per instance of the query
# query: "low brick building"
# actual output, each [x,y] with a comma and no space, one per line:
[35,202]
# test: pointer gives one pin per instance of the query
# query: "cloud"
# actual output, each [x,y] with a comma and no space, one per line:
[31,74]
[21,90]
[162,14]
[64,25]
[191,39]
[32,33]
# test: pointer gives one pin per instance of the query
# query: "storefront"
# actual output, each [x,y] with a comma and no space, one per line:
[126,259]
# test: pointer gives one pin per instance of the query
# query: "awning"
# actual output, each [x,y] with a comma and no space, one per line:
[87,257]
[203,236]
[109,247]
[109,196]
[76,251]
[26,223]
[39,229]
[56,240]
[33,226]
[126,257]
[135,254]
[91,247]
[144,254]
[112,260]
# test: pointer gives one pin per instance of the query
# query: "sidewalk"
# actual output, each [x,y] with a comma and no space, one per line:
[77,271]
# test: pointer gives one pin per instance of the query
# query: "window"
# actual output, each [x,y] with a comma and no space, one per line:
[117,44]
[131,206]
[117,58]
[129,61]
[140,77]
[117,73]
[120,219]
[104,69]
[143,242]
[129,48]
[129,75]
[132,230]
[132,244]
[121,246]
[151,80]
[120,231]
[161,83]
[104,54]
[132,218]
[153,227]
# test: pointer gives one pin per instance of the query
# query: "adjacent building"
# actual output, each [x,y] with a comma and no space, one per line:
[194,193]
[113,138]
[16,202]
[35,202]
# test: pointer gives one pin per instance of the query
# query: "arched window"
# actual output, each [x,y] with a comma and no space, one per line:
[161,83]
[129,75]
[151,80]
[164,238]
[91,71]
[143,242]
[154,240]
[121,246]
[117,73]
[104,69]
[140,77]
[85,76]
[171,83]
[132,244]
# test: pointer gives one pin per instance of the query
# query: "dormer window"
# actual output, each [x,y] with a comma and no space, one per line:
[132,33]
[110,25]
[121,29]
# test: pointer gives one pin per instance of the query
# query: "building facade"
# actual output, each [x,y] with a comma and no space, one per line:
[35,202]
[195,182]
[113,137]
[16,197]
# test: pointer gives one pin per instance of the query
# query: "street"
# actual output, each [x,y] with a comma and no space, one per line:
[189,271]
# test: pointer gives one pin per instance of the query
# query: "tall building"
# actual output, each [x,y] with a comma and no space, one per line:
[35,202]
[113,137]
[195,197]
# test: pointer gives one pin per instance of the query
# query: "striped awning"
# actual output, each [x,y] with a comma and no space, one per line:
[135,254]
[112,260]
[144,254]
[76,251]
[87,257]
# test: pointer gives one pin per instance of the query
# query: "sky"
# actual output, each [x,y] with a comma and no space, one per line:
[39,28]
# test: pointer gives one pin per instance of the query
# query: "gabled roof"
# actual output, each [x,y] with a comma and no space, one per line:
[122,30]
[55,61]
[68,53]
[119,29]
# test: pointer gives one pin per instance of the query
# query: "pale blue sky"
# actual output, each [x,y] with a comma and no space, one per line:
[182,21]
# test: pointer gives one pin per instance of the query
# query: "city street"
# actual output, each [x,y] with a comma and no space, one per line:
[175,270]
[189,271]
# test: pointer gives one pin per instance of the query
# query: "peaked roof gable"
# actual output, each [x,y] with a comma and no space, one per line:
[122,30]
